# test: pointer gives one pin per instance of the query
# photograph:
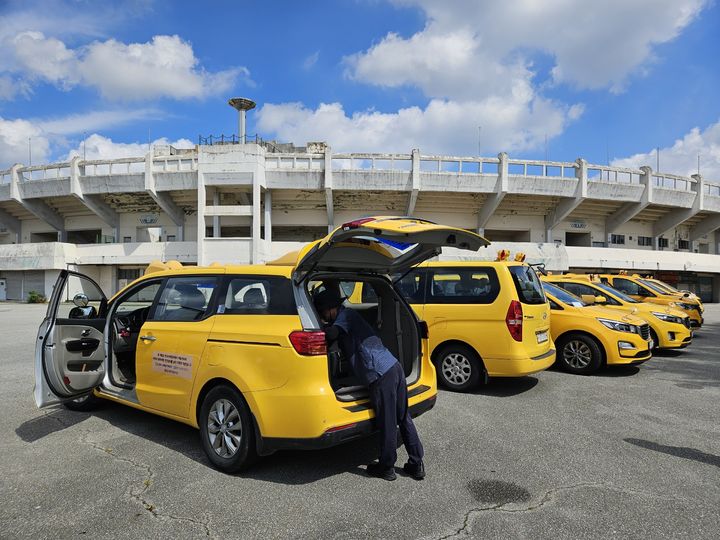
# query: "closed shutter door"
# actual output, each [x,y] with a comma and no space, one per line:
[14,285]
[34,281]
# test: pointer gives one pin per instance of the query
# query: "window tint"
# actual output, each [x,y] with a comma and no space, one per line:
[185,298]
[463,286]
[369,296]
[142,297]
[578,289]
[563,295]
[258,295]
[630,287]
[411,286]
[621,295]
[527,284]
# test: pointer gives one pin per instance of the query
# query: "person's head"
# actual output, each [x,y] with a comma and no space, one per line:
[327,304]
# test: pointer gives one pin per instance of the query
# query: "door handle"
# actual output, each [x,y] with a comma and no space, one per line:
[148,338]
[85,332]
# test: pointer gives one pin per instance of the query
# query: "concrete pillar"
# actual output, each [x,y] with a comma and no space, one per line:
[94,203]
[494,199]
[328,181]
[201,203]
[37,207]
[163,199]
[415,190]
[566,206]
[256,222]
[217,233]
[629,210]
[267,220]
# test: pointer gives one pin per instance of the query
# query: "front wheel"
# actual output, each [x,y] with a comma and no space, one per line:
[579,354]
[226,430]
[459,368]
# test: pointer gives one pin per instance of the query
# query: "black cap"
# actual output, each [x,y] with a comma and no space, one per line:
[327,299]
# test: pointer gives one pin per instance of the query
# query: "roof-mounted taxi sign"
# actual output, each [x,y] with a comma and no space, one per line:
[503,255]
[160,266]
[519,257]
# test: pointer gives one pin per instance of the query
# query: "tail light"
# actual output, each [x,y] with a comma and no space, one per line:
[308,343]
[355,224]
[514,320]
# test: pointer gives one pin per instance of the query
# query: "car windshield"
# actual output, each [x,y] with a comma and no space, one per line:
[563,296]
[665,286]
[528,285]
[621,295]
[654,286]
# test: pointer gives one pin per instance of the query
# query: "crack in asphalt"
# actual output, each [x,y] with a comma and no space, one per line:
[133,493]
[547,497]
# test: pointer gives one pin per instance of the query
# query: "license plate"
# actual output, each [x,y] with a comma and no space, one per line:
[542,337]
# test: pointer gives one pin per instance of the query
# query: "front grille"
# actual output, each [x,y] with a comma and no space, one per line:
[645,331]
[686,322]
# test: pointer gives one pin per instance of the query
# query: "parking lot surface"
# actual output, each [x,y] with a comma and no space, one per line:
[630,452]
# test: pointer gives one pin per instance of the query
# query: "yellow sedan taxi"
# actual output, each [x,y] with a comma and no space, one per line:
[644,291]
[669,327]
[239,351]
[588,337]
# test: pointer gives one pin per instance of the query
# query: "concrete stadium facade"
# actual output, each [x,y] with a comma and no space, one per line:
[249,203]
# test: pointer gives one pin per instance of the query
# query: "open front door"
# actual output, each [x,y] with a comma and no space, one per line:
[70,346]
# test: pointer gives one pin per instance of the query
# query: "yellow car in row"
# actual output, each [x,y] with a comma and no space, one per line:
[644,290]
[588,337]
[485,318]
[239,351]
[669,327]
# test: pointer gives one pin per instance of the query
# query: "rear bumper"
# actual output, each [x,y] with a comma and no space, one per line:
[358,430]
[519,367]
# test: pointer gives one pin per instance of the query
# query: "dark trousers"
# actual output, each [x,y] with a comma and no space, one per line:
[390,401]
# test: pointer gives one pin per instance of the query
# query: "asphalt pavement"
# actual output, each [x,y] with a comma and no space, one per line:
[632,452]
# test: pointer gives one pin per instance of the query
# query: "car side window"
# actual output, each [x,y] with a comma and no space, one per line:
[630,287]
[257,295]
[463,286]
[411,286]
[185,298]
[554,306]
[578,289]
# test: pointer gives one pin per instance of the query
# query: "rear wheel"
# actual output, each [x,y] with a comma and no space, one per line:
[85,403]
[459,368]
[226,429]
[579,354]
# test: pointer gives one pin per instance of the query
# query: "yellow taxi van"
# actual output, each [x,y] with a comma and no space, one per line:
[239,351]
[669,327]
[588,337]
[485,318]
[645,291]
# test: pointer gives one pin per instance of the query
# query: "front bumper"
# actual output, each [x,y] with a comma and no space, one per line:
[363,428]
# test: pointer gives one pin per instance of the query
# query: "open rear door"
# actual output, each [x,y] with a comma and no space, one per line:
[70,346]
[385,245]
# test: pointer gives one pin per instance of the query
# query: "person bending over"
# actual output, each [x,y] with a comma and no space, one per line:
[375,365]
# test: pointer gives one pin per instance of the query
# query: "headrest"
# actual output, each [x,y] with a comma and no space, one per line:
[254,296]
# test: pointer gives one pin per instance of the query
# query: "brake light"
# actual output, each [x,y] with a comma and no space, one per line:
[308,343]
[355,224]
[514,320]
[340,428]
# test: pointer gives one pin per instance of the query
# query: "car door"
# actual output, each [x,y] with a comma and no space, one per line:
[70,350]
[172,341]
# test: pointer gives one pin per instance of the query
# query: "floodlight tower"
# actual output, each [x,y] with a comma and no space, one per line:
[241,105]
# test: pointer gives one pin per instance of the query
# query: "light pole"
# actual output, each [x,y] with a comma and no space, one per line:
[241,105]
[479,139]
[30,151]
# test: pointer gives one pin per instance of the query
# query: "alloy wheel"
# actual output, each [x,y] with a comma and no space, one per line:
[577,354]
[224,428]
[456,368]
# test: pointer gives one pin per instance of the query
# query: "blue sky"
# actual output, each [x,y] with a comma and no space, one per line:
[610,81]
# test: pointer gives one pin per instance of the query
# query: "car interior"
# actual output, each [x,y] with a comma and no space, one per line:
[390,317]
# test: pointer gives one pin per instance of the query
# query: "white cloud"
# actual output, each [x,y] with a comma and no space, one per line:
[99,147]
[49,134]
[16,136]
[165,66]
[441,127]
[311,60]
[682,156]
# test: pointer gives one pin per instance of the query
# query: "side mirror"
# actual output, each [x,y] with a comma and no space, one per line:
[588,299]
[600,300]
[80,300]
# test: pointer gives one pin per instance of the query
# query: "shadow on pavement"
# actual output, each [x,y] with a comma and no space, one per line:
[618,371]
[506,387]
[47,424]
[678,451]
[292,467]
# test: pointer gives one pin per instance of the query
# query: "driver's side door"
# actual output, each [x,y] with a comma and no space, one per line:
[70,346]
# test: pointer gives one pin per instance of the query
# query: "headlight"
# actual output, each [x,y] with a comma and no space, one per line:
[667,317]
[686,306]
[620,326]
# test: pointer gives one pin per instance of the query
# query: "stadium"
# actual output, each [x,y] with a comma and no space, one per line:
[245,200]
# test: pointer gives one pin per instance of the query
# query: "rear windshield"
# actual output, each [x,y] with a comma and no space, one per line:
[527,284]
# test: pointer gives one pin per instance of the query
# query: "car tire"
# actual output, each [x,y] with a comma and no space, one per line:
[227,431]
[656,341]
[579,354]
[85,403]
[459,368]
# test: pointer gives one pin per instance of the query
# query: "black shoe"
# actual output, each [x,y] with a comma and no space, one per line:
[417,471]
[386,473]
